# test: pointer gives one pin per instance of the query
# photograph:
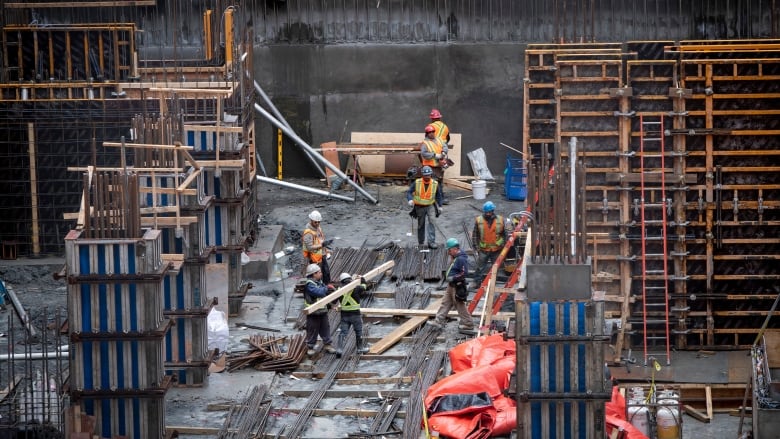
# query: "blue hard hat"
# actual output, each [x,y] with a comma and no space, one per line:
[452,242]
[488,207]
[426,170]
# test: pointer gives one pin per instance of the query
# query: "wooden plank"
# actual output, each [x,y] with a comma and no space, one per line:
[331,155]
[147,145]
[357,393]
[708,401]
[696,414]
[410,325]
[348,287]
[402,312]
[212,128]
[456,151]
[167,221]
[83,4]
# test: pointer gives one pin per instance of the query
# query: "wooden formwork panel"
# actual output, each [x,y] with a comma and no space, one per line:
[719,105]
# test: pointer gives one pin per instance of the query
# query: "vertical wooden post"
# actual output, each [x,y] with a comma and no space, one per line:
[36,245]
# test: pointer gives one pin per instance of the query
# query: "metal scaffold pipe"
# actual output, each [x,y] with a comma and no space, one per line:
[281,119]
[302,188]
[314,153]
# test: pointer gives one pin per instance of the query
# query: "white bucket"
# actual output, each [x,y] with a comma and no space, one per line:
[478,189]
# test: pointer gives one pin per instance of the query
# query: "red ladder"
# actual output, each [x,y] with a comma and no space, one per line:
[654,207]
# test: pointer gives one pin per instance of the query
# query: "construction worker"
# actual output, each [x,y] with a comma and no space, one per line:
[440,128]
[350,314]
[433,153]
[317,322]
[314,247]
[490,235]
[424,197]
[456,280]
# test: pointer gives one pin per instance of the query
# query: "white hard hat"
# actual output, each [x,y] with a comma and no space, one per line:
[345,276]
[312,268]
[315,215]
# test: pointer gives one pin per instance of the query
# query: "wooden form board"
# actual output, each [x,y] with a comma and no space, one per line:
[377,164]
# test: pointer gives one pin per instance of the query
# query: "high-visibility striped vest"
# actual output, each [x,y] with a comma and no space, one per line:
[348,303]
[491,236]
[441,130]
[318,237]
[425,194]
[436,147]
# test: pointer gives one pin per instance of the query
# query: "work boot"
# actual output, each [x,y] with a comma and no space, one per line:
[311,351]
[361,348]
[433,245]
[330,349]
[434,323]
[339,353]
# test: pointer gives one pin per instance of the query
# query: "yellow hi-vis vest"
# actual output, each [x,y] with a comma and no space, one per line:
[425,195]
[441,130]
[348,303]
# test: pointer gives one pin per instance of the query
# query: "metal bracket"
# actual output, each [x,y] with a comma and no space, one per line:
[629,114]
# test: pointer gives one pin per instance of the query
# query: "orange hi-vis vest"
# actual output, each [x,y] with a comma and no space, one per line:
[440,130]
[436,147]
[318,238]
[425,194]
[491,236]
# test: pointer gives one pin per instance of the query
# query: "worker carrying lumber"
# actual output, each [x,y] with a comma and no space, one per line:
[441,130]
[490,235]
[456,294]
[317,322]
[433,153]
[350,314]
[424,197]
[315,247]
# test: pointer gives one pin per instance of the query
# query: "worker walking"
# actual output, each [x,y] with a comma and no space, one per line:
[424,197]
[441,130]
[433,153]
[314,247]
[457,293]
[350,315]
[317,322]
[490,234]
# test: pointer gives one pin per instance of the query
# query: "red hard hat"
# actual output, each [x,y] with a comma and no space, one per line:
[429,129]
[435,114]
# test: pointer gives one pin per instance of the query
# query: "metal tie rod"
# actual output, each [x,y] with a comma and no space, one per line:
[314,153]
[302,188]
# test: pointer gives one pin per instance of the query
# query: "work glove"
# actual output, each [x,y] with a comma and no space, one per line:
[438,156]
[438,211]
[327,243]
[331,287]
[410,203]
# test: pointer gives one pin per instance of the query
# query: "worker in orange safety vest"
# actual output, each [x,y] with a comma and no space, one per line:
[433,153]
[314,246]
[441,130]
[490,235]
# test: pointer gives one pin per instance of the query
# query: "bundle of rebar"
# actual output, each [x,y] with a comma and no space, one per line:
[421,263]
[111,205]
[248,419]
[267,353]
[420,384]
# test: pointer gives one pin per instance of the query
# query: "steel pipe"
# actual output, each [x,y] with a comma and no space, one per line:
[314,153]
[35,355]
[281,119]
[302,188]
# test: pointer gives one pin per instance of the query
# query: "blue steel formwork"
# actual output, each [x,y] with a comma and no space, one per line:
[560,382]
[116,330]
[185,289]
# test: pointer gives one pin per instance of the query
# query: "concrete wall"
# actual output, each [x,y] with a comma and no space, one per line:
[327,91]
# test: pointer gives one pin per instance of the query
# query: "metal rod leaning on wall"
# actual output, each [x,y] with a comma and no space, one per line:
[308,148]
[302,188]
[281,119]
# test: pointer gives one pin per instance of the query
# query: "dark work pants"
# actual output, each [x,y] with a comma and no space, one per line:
[317,324]
[355,321]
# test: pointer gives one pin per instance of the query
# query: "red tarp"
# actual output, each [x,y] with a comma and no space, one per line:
[470,403]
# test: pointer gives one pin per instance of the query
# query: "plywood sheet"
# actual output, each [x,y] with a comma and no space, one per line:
[380,164]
